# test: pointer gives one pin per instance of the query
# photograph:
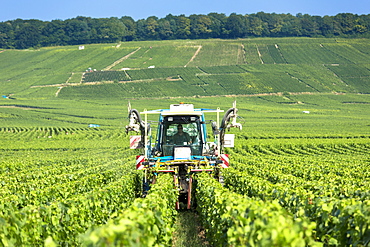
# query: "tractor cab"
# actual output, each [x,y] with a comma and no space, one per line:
[180,133]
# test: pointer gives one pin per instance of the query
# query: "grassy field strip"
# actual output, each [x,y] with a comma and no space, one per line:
[189,232]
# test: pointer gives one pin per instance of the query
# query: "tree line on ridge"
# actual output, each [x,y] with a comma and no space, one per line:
[22,34]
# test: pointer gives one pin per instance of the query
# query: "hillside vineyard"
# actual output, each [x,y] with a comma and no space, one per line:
[298,173]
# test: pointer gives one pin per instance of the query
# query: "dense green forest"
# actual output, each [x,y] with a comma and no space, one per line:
[23,34]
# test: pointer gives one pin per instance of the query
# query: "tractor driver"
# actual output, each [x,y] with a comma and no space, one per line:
[181,137]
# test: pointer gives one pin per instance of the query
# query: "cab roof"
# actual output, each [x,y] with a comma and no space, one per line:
[181,109]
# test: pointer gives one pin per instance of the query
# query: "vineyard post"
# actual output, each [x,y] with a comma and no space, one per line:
[218,135]
[146,135]
[146,142]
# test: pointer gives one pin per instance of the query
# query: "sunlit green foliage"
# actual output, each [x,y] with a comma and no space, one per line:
[302,154]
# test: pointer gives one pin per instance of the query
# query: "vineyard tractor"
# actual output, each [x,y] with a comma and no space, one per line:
[181,146]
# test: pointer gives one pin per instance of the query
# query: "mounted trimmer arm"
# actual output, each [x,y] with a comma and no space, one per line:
[181,146]
[228,121]
[138,125]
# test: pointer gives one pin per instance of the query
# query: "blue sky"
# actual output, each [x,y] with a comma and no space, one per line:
[48,10]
